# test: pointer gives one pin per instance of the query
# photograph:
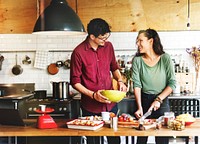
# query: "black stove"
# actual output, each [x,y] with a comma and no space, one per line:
[62,107]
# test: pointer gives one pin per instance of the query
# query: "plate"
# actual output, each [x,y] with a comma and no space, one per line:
[85,124]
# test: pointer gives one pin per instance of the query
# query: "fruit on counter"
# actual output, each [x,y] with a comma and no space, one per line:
[125,118]
[112,115]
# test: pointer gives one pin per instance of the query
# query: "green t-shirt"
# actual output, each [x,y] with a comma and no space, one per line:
[153,80]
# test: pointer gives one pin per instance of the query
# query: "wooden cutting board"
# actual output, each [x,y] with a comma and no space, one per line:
[128,124]
[135,123]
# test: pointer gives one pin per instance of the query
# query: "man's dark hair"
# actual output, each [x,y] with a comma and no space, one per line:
[98,27]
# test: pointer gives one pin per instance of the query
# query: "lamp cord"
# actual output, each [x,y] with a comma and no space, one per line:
[38,8]
[188,23]
[76,1]
[188,8]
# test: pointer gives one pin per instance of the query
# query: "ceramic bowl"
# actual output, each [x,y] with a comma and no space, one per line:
[114,95]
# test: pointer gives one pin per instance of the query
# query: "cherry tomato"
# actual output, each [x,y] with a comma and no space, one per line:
[130,119]
[120,118]
[125,119]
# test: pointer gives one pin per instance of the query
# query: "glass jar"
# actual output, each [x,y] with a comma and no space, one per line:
[168,118]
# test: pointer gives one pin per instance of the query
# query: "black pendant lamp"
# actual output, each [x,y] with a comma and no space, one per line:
[59,18]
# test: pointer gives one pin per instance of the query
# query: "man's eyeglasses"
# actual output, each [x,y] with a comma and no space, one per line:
[104,38]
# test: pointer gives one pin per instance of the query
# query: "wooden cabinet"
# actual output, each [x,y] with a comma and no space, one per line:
[122,15]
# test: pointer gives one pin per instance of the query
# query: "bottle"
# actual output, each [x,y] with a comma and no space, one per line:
[187,70]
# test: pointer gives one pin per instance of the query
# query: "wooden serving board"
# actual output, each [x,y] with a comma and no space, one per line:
[128,124]
[135,123]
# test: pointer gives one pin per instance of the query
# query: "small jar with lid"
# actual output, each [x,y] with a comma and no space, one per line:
[168,118]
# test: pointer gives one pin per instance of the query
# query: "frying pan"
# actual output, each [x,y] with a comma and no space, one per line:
[1,60]
[17,69]
[67,63]
[52,69]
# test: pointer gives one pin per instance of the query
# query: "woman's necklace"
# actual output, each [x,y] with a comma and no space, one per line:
[151,58]
[151,61]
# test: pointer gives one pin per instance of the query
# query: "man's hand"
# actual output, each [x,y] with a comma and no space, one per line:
[100,98]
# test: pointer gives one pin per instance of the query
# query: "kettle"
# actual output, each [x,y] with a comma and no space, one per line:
[60,90]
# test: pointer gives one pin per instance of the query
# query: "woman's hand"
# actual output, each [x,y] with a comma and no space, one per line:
[100,98]
[154,106]
[139,113]
[122,86]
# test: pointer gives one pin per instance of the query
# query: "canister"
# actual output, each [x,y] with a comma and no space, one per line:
[168,117]
[114,123]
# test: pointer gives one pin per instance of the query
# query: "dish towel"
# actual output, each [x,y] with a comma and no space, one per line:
[41,59]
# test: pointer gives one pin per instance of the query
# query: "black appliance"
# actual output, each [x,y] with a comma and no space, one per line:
[14,96]
[24,98]
[62,108]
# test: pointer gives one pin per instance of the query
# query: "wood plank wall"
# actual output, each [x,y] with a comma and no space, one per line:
[122,15]
[133,15]
[17,16]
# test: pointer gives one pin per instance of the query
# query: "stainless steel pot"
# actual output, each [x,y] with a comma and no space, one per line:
[60,90]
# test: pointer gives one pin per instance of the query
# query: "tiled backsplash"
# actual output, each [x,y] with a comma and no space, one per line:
[60,48]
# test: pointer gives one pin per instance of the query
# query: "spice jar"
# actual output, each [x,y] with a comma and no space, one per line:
[168,118]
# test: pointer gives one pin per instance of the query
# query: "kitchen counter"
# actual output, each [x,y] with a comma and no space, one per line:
[62,130]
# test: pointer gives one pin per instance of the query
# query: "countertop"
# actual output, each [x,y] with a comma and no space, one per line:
[62,130]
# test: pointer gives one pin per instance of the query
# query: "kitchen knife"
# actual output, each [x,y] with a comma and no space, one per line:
[148,113]
[160,119]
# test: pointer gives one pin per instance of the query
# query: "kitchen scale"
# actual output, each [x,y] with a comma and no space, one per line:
[45,120]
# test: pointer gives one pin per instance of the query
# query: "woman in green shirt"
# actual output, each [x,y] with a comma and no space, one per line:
[153,78]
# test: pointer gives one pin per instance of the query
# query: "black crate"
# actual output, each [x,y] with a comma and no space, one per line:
[182,106]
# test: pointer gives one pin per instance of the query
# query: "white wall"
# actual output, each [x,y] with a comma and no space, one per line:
[60,48]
